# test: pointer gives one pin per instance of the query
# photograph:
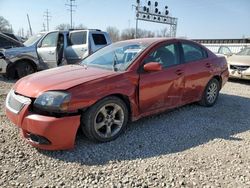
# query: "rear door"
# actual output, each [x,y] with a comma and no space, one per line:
[198,71]
[47,49]
[77,47]
[162,89]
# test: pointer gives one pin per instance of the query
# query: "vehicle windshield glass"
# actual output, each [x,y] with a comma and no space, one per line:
[245,51]
[33,39]
[117,56]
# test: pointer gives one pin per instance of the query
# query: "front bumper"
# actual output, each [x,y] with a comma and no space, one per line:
[59,132]
[239,73]
[3,66]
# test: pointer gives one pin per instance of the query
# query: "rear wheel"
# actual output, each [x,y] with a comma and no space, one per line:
[24,68]
[105,120]
[211,93]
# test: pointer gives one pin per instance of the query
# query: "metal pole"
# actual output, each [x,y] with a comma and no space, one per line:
[29,24]
[137,14]
[71,14]
[136,28]
[47,19]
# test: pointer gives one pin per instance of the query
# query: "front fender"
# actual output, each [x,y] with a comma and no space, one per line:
[87,94]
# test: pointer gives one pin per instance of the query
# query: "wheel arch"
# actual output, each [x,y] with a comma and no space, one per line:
[218,77]
[12,72]
[123,97]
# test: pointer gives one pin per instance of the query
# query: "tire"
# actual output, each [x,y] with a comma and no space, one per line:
[24,69]
[101,123]
[211,93]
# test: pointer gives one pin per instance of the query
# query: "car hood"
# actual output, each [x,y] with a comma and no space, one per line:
[12,52]
[239,60]
[61,78]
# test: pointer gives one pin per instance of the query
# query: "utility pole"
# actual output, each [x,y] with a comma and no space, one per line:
[71,5]
[29,25]
[136,21]
[44,27]
[47,18]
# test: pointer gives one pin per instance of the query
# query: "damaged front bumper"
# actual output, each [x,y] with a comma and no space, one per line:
[44,132]
[239,71]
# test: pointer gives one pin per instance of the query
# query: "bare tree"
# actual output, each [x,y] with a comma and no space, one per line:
[114,33]
[163,33]
[80,26]
[128,34]
[145,34]
[5,25]
[65,26]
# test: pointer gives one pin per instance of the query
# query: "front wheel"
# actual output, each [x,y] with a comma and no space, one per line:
[211,93]
[24,69]
[105,120]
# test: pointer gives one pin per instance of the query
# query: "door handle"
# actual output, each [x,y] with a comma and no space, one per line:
[179,72]
[208,65]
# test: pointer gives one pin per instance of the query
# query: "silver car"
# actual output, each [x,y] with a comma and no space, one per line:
[51,49]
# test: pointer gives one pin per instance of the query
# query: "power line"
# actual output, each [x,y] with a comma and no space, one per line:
[71,5]
[47,18]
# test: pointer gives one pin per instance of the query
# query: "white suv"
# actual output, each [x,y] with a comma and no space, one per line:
[51,49]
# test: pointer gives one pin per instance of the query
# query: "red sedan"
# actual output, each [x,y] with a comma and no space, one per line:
[124,81]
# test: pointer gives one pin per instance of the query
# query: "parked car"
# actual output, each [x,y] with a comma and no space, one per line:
[224,50]
[124,81]
[51,49]
[9,41]
[239,64]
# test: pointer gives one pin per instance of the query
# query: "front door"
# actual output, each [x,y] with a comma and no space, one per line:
[162,89]
[47,49]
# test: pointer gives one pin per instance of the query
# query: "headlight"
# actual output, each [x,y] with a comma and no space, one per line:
[53,101]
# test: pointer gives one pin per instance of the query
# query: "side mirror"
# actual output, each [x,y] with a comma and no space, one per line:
[39,45]
[152,67]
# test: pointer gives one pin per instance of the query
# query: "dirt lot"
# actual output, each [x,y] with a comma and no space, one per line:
[191,146]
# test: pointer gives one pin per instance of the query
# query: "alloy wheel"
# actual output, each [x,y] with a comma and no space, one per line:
[109,120]
[212,92]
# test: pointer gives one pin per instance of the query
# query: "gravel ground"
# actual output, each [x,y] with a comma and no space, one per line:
[191,146]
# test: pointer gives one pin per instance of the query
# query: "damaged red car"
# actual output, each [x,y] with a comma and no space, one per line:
[119,83]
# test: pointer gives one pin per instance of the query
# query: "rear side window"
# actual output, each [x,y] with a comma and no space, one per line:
[78,38]
[193,52]
[99,39]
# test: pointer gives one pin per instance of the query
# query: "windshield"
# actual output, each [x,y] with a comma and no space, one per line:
[245,51]
[33,39]
[117,56]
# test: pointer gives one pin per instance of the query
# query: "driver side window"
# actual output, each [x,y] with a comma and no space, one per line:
[165,55]
[50,40]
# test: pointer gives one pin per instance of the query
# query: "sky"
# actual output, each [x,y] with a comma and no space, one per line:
[197,19]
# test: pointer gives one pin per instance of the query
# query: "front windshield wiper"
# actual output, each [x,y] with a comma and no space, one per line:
[115,60]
